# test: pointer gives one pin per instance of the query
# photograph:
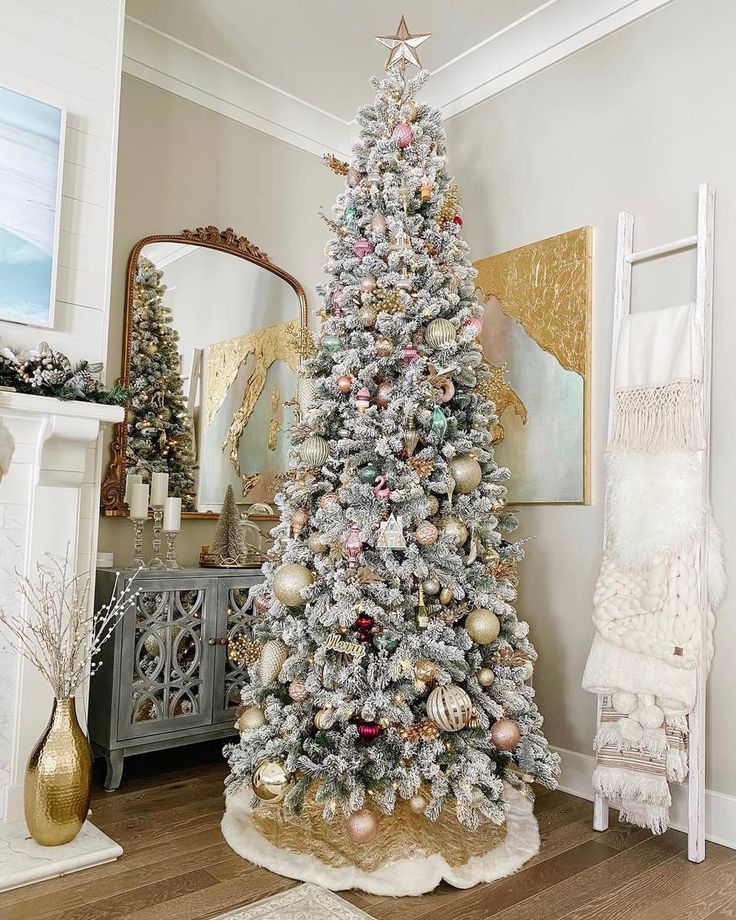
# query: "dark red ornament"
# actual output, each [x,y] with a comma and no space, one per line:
[369,730]
[364,622]
[364,636]
[457,220]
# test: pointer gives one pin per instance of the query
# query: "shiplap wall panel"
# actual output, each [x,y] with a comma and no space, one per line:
[69,54]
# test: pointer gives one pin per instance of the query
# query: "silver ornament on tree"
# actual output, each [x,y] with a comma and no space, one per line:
[467,473]
[450,707]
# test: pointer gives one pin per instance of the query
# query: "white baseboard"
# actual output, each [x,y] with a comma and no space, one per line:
[720,808]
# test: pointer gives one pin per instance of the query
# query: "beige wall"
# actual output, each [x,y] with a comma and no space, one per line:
[181,165]
[634,122]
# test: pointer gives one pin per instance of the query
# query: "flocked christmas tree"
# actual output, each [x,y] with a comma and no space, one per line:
[159,427]
[392,665]
[228,544]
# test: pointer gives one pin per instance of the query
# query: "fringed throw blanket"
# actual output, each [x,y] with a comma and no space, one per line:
[647,601]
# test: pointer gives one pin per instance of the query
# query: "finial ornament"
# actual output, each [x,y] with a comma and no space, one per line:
[403,47]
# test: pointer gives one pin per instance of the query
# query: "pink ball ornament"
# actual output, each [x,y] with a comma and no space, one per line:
[378,223]
[328,501]
[383,394]
[505,734]
[369,730]
[362,248]
[352,546]
[368,284]
[261,603]
[344,383]
[409,354]
[363,826]
[474,325]
[403,135]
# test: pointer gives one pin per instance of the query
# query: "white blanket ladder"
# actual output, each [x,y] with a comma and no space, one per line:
[626,258]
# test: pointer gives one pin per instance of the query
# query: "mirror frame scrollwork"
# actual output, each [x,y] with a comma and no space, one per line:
[210,237]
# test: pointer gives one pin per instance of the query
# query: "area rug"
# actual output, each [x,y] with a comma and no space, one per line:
[305,902]
[505,851]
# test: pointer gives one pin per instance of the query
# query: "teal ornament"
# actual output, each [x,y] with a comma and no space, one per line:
[439,422]
[331,344]
[350,214]
[385,643]
[368,473]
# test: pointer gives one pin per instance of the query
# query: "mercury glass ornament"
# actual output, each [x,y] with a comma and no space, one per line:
[418,804]
[298,521]
[466,472]
[367,317]
[378,223]
[270,781]
[289,580]
[362,248]
[383,394]
[331,344]
[368,473]
[425,670]
[314,451]
[439,332]
[385,643]
[454,528]
[411,438]
[482,626]
[450,707]
[431,586]
[350,214]
[363,826]
[368,284]
[486,677]
[505,734]
[344,383]
[439,422]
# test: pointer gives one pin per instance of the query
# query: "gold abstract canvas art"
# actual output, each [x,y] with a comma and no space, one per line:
[536,340]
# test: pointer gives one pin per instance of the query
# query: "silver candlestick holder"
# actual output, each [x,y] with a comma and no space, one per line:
[171,562]
[158,518]
[137,562]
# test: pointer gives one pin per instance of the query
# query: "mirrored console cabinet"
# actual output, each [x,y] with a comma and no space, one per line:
[166,678]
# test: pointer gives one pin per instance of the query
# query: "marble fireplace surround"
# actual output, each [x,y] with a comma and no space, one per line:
[49,501]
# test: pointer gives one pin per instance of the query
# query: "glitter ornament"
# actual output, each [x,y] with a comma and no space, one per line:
[298,521]
[344,383]
[367,317]
[289,580]
[362,248]
[273,656]
[450,707]
[362,826]
[418,804]
[298,691]
[253,717]
[482,626]
[431,586]
[467,473]
[433,505]
[402,135]
[486,677]
[439,332]
[316,543]
[270,781]
[314,451]
[454,528]
[384,347]
[378,223]
[383,394]
[505,734]
[426,533]
[368,284]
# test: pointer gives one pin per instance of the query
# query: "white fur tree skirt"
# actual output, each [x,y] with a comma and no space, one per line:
[411,876]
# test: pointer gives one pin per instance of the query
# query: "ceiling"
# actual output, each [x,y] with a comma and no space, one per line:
[298,69]
[323,51]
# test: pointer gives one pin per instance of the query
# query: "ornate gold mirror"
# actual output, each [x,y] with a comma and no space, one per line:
[210,356]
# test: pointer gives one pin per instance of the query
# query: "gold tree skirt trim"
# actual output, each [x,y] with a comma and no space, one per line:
[400,833]
[410,856]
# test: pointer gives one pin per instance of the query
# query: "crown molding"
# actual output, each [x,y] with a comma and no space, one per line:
[548,34]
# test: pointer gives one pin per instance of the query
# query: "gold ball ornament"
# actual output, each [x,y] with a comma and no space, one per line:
[363,826]
[439,332]
[270,781]
[252,718]
[450,707]
[486,677]
[367,317]
[454,528]
[445,596]
[289,580]
[425,671]
[384,347]
[466,472]
[418,804]
[505,734]
[426,533]
[314,451]
[273,656]
[324,719]
[316,543]
[482,626]
[433,505]
[298,691]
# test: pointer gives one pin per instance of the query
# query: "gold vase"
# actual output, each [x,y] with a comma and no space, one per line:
[58,781]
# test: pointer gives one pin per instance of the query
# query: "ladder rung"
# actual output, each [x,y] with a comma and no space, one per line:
[686,243]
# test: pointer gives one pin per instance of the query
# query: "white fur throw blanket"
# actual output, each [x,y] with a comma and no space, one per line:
[7,448]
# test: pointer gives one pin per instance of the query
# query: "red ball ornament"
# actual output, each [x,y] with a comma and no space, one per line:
[505,734]
[403,135]
[365,637]
[457,220]
[365,621]
[344,383]
[369,730]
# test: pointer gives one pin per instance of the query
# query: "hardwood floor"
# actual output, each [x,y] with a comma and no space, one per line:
[177,866]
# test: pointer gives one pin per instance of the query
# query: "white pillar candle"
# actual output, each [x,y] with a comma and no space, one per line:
[159,489]
[139,501]
[172,515]
[131,480]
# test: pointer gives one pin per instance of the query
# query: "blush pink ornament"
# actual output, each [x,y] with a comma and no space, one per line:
[328,501]
[352,546]
[474,325]
[262,602]
[403,135]
[383,393]
[362,248]
[505,734]
[298,521]
[362,399]
[368,284]
[409,354]
[363,826]
[378,223]
[344,383]
[380,489]
[336,294]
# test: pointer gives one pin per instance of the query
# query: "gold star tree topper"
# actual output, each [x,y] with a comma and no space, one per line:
[403,47]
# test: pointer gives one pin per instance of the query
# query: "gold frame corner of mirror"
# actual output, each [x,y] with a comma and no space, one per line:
[112,492]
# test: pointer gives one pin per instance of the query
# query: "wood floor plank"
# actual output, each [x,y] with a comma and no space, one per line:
[707,890]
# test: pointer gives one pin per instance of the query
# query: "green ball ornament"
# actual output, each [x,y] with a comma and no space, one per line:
[439,422]
[482,626]
[350,214]
[368,473]
[289,580]
[466,472]
[331,344]
[385,643]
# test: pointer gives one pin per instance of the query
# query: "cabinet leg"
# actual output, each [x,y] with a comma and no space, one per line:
[114,760]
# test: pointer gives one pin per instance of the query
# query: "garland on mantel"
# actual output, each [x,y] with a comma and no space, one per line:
[43,371]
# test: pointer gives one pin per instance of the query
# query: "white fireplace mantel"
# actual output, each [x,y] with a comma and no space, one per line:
[49,502]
